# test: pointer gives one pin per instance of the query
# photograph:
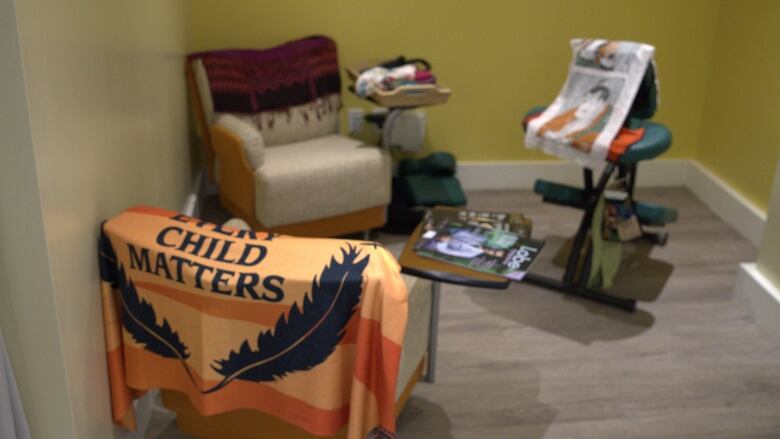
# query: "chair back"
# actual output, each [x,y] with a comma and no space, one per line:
[646,99]
[291,92]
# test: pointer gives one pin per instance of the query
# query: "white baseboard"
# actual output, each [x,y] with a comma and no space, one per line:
[476,176]
[523,174]
[761,296]
[663,173]
[191,206]
[733,208]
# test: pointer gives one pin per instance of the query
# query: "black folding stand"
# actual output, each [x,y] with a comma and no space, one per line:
[575,278]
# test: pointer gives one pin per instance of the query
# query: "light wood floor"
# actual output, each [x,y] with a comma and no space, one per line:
[530,363]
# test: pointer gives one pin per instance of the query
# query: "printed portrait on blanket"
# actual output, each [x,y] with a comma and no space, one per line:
[600,54]
[592,100]
[583,121]
[604,55]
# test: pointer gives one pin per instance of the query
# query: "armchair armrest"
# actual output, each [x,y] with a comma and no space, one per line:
[248,135]
[239,150]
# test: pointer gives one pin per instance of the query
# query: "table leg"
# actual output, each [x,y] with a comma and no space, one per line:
[433,332]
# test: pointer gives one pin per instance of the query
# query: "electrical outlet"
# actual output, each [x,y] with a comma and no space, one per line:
[355,118]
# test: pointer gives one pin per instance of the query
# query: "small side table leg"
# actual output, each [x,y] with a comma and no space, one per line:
[433,332]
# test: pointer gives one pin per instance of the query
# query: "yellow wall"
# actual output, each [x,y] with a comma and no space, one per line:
[107,111]
[740,138]
[499,57]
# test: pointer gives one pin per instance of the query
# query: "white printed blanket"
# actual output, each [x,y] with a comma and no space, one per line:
[580,125]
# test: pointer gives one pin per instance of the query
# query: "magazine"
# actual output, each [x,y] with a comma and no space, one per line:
[492,251]
[508,221]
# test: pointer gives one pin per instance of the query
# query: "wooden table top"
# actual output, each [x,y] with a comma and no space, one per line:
[426,268]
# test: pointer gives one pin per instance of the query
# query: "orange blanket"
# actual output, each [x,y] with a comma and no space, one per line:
[307,330]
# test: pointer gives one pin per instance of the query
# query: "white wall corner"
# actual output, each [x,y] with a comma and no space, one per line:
[761,296]
[731,206]
[476,176]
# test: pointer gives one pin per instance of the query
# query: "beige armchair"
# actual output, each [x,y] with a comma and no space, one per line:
[284,167]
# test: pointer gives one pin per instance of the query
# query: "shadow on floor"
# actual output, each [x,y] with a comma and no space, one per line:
[478,396]
[580,320]
[640,277]
[576,319]
[211,210]
[432,416]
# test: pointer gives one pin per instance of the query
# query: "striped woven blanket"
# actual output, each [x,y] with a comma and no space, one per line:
[254,81]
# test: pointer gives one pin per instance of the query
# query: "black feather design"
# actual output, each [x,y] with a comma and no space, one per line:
[380,433]
[106,258]
[140,320]
[311,331]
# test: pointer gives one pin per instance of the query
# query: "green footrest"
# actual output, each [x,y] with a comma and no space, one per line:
[654,214]
[560,193]
[648,213]
[430,190]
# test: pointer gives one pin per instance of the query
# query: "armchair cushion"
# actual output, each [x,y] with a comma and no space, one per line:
[320,178]
[250,138]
